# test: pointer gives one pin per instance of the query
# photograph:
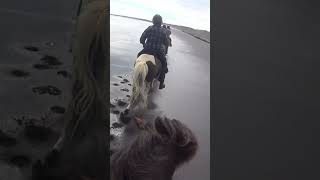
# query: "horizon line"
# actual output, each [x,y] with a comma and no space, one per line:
[151,21]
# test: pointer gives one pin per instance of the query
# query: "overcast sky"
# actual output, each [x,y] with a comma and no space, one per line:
[191,13]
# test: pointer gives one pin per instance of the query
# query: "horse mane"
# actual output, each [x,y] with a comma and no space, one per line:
[161,147]
[90,53]
[84,148]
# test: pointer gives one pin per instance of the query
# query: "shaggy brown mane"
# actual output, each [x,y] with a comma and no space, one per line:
[155,153]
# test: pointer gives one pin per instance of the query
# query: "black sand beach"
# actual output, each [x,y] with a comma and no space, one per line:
[187,93]
[34,90]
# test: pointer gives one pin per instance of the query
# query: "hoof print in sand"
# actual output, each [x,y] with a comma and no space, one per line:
[58,109]
[128,96]
[50,60]
[41,66]
[115,112]
[47,90]
[121,103]
[120,77]
[124,89]
[64,74]
[37,133]
[6,140]
[129,84]
[19,73]
[115,84]
[123,118]
[20,160]
[124,81]
[117,125]
[31,48]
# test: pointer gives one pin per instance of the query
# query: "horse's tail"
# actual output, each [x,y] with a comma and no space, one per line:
[139,90]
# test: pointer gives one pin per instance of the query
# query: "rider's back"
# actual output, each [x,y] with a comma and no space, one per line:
[155,37]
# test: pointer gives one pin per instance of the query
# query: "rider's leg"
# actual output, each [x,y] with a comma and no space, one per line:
[161,79]
[164,69]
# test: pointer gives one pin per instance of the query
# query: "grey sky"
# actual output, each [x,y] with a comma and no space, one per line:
[191,13]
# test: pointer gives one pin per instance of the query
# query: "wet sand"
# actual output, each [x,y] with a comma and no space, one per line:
[34,75]
[187,93]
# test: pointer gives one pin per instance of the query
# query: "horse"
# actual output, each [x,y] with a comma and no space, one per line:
[152,150]
[81,150]
[146,71]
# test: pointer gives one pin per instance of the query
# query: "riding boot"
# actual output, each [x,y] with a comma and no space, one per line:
[161,79]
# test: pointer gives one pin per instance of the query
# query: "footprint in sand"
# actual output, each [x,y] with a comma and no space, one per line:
[19,73]
[58,109]
[115,112]
[64,74]
[47,62]
[31,48]
[42,66]
[47,90]
[121,103]
[116,125]
[125,89]
[50,60]
[125,80]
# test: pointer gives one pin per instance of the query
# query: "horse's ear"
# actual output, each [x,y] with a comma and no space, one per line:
[186,142]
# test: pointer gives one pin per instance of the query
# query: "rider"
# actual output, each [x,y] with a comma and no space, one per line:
[156,37]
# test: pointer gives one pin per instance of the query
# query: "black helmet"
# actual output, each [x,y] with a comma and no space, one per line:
[157,19]
[164,26]
[168,27]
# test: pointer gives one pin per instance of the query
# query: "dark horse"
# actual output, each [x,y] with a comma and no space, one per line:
[81,152]
[146,71]
[155,151]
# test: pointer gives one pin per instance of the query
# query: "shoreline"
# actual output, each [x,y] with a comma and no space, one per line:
[202,35]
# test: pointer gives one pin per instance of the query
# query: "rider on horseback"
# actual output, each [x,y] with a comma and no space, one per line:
[156,37]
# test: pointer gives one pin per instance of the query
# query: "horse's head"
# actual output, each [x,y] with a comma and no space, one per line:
[156,150]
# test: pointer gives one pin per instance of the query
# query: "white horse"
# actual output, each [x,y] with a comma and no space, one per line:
[146,71]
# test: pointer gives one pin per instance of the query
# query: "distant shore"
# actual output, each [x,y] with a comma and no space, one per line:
[199,34]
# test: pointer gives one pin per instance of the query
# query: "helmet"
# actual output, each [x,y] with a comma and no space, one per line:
[164,26]
[157,19]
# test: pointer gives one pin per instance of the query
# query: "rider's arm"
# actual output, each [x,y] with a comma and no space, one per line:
[144,36]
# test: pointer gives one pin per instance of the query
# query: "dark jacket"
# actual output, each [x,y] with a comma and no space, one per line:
[153,39]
